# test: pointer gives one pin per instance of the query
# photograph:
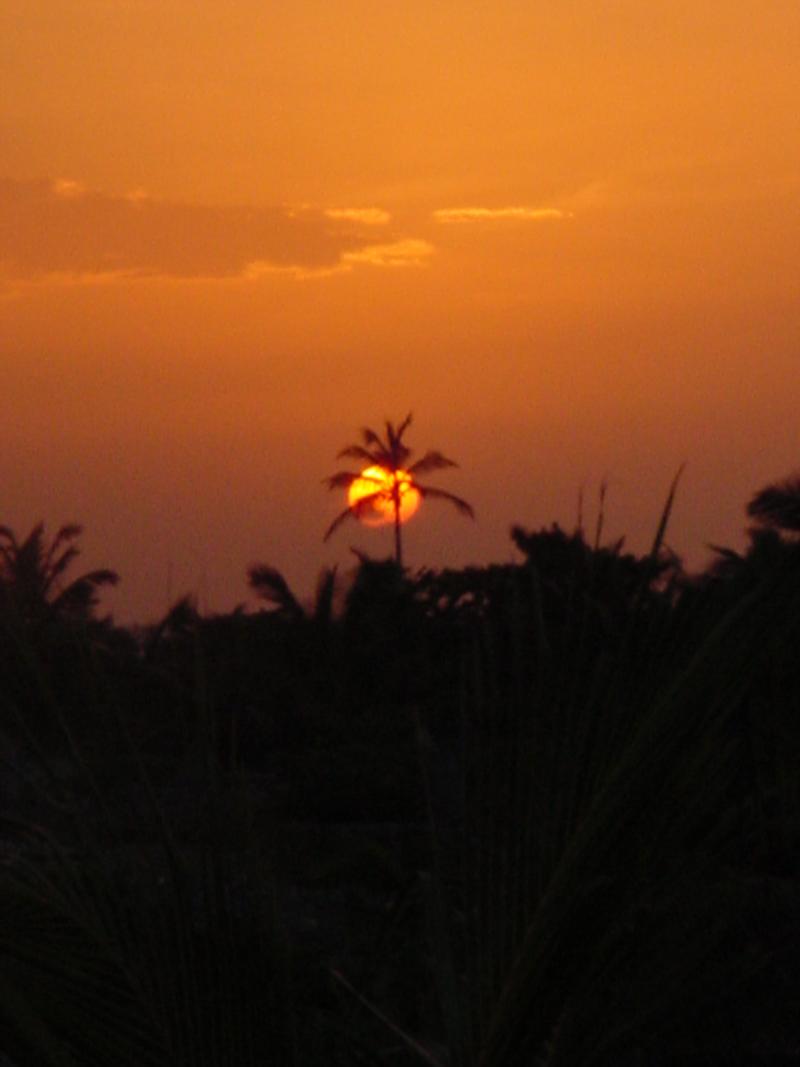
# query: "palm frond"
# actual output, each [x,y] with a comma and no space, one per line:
[56,559]
[341,480]
[137,956]
[344,479]
[323,600]
[404,425]
[54,566]
[630,822]
[337,522]
[102,576]
[364,503]
[376,457]
[34,537]
[601,514]
[65,535]
[8,534]
[80,596]
[427,492]
[353,510]
[391,435]
[32,572]
[269,584]
[394,435]
[7,552]
[431,461]
[420,1051]
[658,540]
[370,437]
[778,505]
[180,618]
[28,564]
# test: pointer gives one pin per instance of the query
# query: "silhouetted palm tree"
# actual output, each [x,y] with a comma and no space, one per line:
[270,585]
[778,506]
[392,455]
[32,572]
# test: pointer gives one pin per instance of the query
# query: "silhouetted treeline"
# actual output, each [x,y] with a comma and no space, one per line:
[545,811]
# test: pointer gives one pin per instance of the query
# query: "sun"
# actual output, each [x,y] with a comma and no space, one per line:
[380,511]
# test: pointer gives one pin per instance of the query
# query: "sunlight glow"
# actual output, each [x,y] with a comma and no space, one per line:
[381,510]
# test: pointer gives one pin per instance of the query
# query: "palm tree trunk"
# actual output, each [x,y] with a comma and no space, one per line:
[398,543]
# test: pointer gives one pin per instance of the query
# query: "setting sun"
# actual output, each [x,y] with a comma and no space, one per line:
[380,510]
[387,489]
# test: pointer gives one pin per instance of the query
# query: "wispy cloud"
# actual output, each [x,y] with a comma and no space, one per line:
[60,231]
[262,268]
[493,214]
[367,216]
[67,188]
[408,252]
[137,196]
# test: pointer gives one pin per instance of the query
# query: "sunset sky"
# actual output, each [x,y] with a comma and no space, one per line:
[566,235]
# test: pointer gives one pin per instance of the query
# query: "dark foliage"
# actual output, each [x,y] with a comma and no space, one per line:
[32,584]
[541,812]
[778,506]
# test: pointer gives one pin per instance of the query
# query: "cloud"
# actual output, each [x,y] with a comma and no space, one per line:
[137,196]
[492,214]
[262,268]
[67,188]
[63,232]
[409,252]
[368,216]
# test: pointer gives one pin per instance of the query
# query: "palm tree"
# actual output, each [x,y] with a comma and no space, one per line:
[778,506]
[31,573]
[392,455]
[270,585]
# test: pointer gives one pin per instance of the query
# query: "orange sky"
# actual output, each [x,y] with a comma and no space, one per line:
[565,235]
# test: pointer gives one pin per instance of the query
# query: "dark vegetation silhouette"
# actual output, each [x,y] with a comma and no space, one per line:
[778,506]
[538,812]
[33,572]
[392,455]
